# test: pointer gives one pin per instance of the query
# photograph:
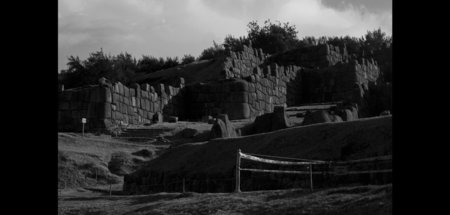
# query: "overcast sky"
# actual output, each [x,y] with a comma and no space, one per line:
[164,28]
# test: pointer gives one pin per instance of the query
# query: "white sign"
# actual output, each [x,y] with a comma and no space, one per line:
[83,120]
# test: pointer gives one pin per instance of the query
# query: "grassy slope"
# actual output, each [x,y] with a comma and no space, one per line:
[199,71]
[362,138]
[368,200]
[79,157]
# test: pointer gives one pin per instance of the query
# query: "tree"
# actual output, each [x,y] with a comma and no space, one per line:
[124,67]
[273,38]
[212,52]
[236,44]
[187,59]
[171,62]
[149,64]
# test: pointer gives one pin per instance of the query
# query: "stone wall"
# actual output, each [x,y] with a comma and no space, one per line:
[314,57]
[342,82]
[240,98]
[105,106]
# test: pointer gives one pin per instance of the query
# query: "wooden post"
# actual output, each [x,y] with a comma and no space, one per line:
[83,130]
[96,179]
[238,172]
[110,189]
[184,187]
[310,176]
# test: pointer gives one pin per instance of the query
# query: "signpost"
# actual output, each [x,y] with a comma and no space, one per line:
[83,121]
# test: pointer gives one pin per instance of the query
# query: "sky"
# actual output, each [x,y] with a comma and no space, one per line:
[169,28]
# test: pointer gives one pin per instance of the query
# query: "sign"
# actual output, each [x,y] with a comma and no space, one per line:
[340,170]
[83,120]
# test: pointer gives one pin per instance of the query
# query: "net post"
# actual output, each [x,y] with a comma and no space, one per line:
[310,176]
[238,173]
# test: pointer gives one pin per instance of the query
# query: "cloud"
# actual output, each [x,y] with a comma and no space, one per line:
[175,27]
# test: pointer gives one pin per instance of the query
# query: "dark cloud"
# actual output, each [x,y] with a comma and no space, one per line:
[371,5]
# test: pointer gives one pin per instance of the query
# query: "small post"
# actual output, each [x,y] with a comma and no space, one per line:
[110,189]
[310,176]
[83,121]
[238,171]
[96,178]
[184,186]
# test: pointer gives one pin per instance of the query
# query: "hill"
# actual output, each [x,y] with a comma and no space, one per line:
[216,158]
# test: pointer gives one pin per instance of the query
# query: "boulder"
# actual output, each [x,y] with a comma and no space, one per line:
[348,112]
[271,121]
[320,116]
[222,128]
[157,118]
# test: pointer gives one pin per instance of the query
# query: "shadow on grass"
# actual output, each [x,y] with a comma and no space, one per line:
[289,194]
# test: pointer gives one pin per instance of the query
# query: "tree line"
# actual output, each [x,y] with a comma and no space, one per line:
[271,38]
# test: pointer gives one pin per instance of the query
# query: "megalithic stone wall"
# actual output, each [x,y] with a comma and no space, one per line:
[106,106]
[271,81]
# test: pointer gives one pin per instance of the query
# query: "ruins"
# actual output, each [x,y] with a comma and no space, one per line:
[243,85]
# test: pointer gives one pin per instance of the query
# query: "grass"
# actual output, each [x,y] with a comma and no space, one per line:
[370,200]
[82,160]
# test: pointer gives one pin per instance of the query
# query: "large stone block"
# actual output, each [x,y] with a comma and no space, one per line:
[115,98]
[106,110]
[237,110]
[126,100]
[146,87]
[121,90]
[142,103]
[239,97]
[64,105]
[252,98]
[222,128]
[260,95]
[126,91]
[147,105]
[152,107]
[157,118]
[130,110]
[157,106]
[144,94]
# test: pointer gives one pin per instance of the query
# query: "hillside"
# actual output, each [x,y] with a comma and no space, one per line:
[198,71]
[83,159]
[327,141]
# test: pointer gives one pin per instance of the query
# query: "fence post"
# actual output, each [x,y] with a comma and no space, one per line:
[110,189]
[184,187]
[238,171]
[310,176]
